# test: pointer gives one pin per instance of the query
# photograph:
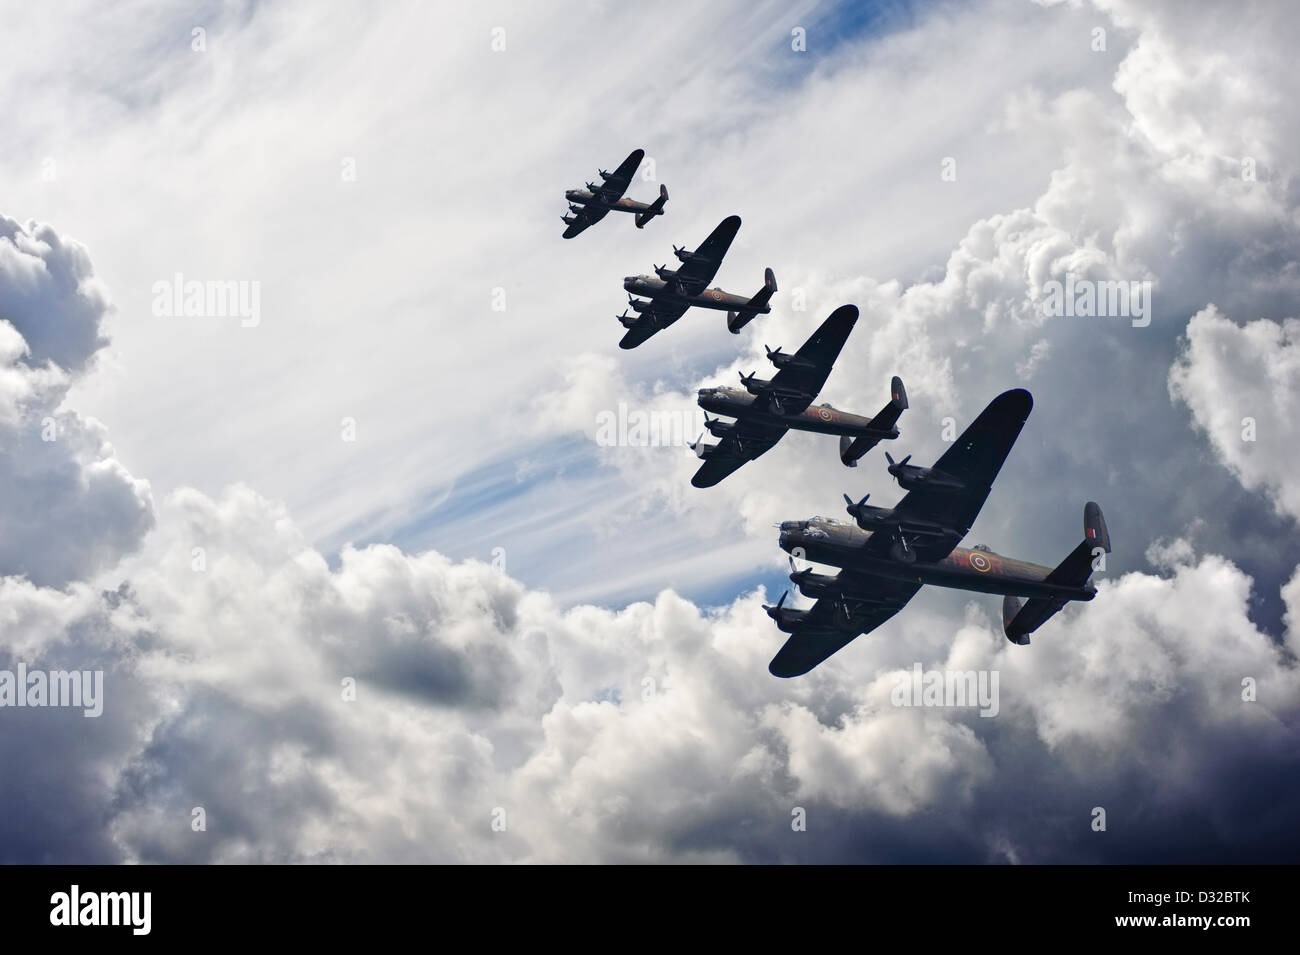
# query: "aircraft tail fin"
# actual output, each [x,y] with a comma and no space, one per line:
[656,208]
[1020,621]
[852,449]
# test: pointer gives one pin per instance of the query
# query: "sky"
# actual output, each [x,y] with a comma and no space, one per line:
[364,584]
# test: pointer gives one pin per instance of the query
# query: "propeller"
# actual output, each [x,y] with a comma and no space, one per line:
[774,611]
[796,574]
[603,174]
[626,319]
[678,249]
[770,353]
[896,466]
[855,509]
[746,379]
[698,446]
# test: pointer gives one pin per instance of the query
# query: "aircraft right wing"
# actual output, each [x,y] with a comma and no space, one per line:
[698,271]
[974,459]
[621,178]
[798,383]
[834,622]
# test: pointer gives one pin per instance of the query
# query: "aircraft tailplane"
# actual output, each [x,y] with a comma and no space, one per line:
[1018,621]
[852,449]
[738,320]
[655,208]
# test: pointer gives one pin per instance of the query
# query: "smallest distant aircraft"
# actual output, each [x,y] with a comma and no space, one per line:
[588,206]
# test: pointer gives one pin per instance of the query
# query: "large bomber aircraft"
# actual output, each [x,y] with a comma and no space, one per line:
[887,554]
[765,410]
[672,292]
[588,206]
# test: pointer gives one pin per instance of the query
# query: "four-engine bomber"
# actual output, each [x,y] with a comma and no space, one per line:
[885,554]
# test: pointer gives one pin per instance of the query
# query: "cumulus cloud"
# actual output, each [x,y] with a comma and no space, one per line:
[68,506]
[650,733]
[1242,386]
[233,642]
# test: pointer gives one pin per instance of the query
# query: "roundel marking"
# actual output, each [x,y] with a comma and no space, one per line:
[824,414]
[715,295]
[980,563]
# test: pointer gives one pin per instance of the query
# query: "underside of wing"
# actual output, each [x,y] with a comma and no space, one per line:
[812,363]
[589,216]
[974,459]
[737,448]
[651,322]
[699,270]
[621,178]
[833,622]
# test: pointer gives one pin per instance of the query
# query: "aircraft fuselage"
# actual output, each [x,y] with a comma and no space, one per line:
[843,545]
[652,287]
[823,419]
[587,197]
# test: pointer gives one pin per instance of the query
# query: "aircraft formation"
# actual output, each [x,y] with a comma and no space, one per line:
[885,554]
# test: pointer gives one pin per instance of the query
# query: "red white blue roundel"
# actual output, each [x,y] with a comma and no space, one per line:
[824,414]
[980,562]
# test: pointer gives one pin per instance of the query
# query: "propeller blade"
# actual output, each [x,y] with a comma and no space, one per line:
[906,459]
[890,458]
[848,500]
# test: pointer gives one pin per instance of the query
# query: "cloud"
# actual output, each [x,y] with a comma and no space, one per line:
[68,506]
[651,733]
[1242,386]
[646,731]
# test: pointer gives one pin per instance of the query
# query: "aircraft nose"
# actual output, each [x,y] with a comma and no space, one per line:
[628,280]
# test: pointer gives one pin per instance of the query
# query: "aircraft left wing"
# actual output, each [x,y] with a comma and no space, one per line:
[832,623]
[588,217]
[975,459]
[652,321]
[740,446]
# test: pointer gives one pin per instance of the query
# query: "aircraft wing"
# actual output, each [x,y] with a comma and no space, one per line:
[814,360]
[742,445]
[621,178]
[588,217]
[833,622]
[695,274]
[652,321]
[974,459]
